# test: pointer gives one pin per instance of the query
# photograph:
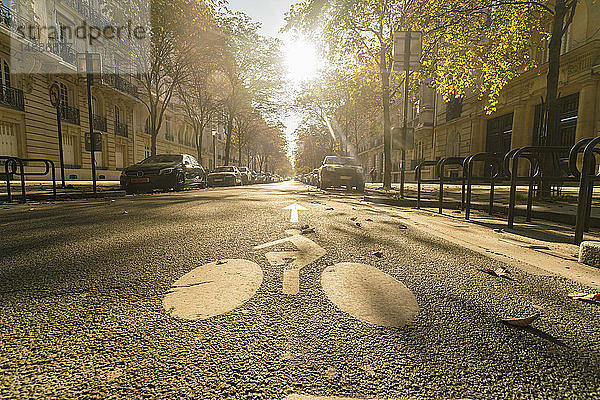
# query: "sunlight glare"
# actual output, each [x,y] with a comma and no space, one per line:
[302,59]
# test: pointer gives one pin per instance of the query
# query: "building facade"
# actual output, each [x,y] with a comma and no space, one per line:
[462,127]
[28,121]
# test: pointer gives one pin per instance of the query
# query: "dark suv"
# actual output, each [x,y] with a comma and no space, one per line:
[341,171]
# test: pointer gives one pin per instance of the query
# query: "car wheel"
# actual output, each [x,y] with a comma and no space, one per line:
[179,182]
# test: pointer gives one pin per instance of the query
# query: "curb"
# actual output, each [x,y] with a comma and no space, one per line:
[568,219]
[66,196]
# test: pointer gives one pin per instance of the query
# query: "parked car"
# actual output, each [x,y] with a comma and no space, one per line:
[341,171]
[246,175]
[163,171]
[224,176]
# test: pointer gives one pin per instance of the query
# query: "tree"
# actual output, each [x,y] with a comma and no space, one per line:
[198,93]
[176,25]
[364,29]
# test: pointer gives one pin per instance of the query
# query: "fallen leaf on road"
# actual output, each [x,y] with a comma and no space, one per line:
[125,212]
[219,262]
[402,226]
[537,247]
[329,208]
[308,230]
[369,220]
[304,227]
[378,254]
[500,272]
[358,224]
[521,322]
[592,297]
[499,230]
[353,219]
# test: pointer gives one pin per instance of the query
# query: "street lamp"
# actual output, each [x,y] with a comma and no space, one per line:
[90,64]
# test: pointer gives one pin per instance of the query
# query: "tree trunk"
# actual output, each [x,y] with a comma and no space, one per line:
[240,155]
[228,133]
[248,157]
[199,138]
[554,47]
[551,135]
[387,131]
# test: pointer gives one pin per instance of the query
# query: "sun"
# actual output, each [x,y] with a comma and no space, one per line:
[301,58]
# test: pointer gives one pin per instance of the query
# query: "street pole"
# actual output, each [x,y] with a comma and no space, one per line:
[88,69]
[214,135]
[60,147]
[405,128]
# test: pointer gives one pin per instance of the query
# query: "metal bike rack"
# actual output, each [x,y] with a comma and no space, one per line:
[587,176]
[490,159]
[532,154]
[10,169]
[442,179]
[418,170]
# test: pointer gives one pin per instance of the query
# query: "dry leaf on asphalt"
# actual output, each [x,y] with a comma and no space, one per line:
[378,254]
[369,220]
[353,219]
[125,212]
[358,224]
[521,322]
[499,230]
[329,209]
[501,272]
[588,297]
[402,226]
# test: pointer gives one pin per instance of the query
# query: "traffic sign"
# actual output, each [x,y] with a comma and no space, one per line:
[414,50]
[54,94]
[97,142]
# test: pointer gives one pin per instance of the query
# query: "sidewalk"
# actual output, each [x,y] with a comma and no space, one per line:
[42,190]
[559,210]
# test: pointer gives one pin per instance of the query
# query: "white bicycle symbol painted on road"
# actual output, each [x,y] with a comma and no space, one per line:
[361,290]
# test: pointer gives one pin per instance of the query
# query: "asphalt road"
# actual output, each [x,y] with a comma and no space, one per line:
[83,288]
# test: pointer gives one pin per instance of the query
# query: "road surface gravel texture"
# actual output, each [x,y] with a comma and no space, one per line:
[82,286]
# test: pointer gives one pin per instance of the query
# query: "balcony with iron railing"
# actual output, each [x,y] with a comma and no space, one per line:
[64,50]
[69,114]
[87,11]
[121,129]
[12,98]
[23,27]
[99,122]
[117,80]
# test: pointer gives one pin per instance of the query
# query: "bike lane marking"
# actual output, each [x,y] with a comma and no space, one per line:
[213,289]
[369,294]
[308,252]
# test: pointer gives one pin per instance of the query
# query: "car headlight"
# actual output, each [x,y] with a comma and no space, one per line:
[166,171]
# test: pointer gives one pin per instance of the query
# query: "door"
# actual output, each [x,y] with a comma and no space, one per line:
[120,156]
[69,150]
[9,145]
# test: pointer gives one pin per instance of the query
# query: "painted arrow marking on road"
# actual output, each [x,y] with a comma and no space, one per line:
[308,252]
[295,208]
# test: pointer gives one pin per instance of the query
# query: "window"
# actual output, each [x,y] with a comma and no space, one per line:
[147,148]
[64,94]
[168,134]
[453,108]
[4,74]
[95,106]
[117,114]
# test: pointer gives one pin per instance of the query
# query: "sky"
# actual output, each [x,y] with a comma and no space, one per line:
[270,13]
